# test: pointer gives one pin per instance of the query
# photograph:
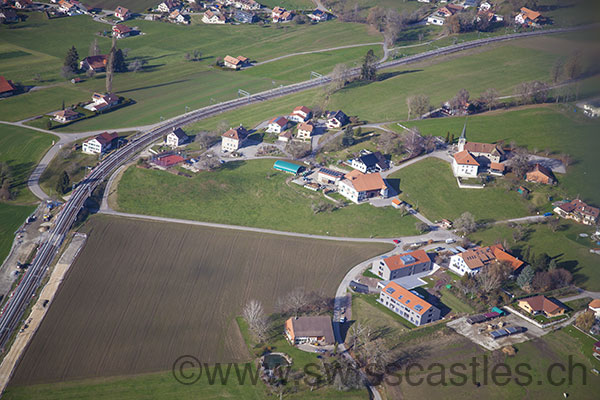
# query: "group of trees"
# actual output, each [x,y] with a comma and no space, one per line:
[418,105]
[5,175]
[542,273]
[196,55]
[63,185]
[115,62]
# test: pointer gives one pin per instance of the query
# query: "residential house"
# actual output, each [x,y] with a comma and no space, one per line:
[540,174]
[279,14]
[541,305]
[484,153]
[121,31]
[329,176]
[336,119]
[177,138]
[579,211]
[528,17]
[168,160]
[102,102]
[235,62]
[67,7]
[464,165]
[592,108]
[64,116]
[99,144]
[318,15]
[94,63]
[370,162]
[440,15]
[8,15]
[211,17]
[497,169]
[234,139]
[305,131]
[247,4]
[23,4]
[168,6]
[285,136]
[179,18]
[401,265]
[484,6]
[122,13]
[474,260]
[436,19]
[595,307]
[358,187]
[311,330]
[408,304]
[244,17]
[301,114]
[278,125]
[6,87]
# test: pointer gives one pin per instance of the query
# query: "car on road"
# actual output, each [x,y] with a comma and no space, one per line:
[548,214]
[440,248]
[397,241]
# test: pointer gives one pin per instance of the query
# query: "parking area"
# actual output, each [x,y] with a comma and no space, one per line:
[480,333]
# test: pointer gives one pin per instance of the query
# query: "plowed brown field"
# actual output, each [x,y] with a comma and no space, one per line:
[143,293]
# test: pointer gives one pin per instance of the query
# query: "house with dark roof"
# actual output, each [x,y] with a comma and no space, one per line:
[408,304]
[579,211]
[318,15]
[401,265]
[336,119]
[6,87]
[473,261]
[541,305]
[234,139]
[329,176]
[8,15]
[176,138]
[540,174]
[311,330]
[370,162]
[244,17]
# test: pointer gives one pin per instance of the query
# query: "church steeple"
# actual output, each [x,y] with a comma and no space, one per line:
[462,140]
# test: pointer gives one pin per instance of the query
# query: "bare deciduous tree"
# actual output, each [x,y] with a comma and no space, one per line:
[339,78]
[490,98]
[413,141]
[488,281]
[254,315]
[466,223]
[418,105]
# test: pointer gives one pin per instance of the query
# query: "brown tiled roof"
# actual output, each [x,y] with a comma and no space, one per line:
[397,261]
[120,28]
[530,14]
[313,326]
[242,58]
[464,158]
[490,148]
[232,60]
[97,62]
[594,303]
[304,109]
[286,134]
[368,182]
[306,127]
[238,133]
[482,256]
[497,166]
[281,121]
[542,303]
[581,207]
[5,85]
[121,10]
[66,113]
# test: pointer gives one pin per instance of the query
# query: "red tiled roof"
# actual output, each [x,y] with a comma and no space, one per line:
[396,261]
[464,158]
[306,127]
[497,166]
[5,85]
[238,133]
[407,298]
[367,182]
[542,303]
[281,121]
[120,28]
[304,109]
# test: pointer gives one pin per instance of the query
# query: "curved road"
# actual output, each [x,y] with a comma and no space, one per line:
[21,297]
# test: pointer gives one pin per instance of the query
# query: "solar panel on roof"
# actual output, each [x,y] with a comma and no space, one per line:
[408,259]
[418,307]
[407,301]
[390,290]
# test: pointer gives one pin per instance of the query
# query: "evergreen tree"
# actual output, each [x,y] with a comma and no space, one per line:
[525,277]
[447,137]
[452,138]
[541,262]
[119,62]
[48,124]
[64,183]
[527,254]
[368,71]
[72,59]
[348,138]
[110,65]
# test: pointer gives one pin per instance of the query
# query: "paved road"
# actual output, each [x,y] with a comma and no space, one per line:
[582,294]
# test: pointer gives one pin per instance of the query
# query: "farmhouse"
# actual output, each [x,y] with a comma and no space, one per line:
[464,165]
[305,131]
[235,62]
[484,153]
[401,265]
[336,119]
[408,304]
[99,144]
[168,6]
[102,102]
[370,162]
[528,17]
[328,176]
[312,330]
[281,15]
[540,174]
[211,17]
[94,63]
[472,261]
[6,87]
[288,167]
[278,125]
[579,211]
[8,15]
[168,160]
[318,16]
[541,305]
[300,114]
[64,116]
[122,13]
[178,18]
[594,306]
[121,31]
[177,138]
[358,187]
[234,139]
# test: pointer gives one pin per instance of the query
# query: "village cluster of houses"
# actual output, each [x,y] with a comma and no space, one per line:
[525,17]
[244,13]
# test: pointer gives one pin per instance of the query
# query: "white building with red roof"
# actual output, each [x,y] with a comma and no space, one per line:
[233,139]
[122,13]
[99,144]
[278,125]
[102,102]
[358,187]
[401,265]
[300,114]
[121,31]
[579,211]
[474,260]
[464,165]
[408,304]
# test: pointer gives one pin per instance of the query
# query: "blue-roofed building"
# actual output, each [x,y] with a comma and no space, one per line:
[288,167]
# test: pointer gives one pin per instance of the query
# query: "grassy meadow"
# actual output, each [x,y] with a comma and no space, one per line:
[11,217]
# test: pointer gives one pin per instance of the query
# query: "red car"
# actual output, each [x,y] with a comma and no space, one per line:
[397,241]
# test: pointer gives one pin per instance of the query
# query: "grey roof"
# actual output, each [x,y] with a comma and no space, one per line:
[179,133]
[372,159]
[339,115]
[314,326]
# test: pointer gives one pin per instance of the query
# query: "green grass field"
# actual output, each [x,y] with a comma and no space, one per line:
[252,194]
[430,186]
[22,149]
[11,217]
[570,251]
[556,128]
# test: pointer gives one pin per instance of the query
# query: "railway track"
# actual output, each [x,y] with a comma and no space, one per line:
[22,295]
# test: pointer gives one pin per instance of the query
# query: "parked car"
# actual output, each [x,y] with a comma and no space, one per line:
[397,241]
[548,214]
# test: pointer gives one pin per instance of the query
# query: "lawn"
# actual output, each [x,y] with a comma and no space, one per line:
[430,186]
[454,303]
[252,194]
[367,311]
[565,245]
[556,129]
[11,217]
[22,149]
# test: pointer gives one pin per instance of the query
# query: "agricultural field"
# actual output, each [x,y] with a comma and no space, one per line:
[570,250]
[430,186]
[251,193]
[166,290]
[547,128]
